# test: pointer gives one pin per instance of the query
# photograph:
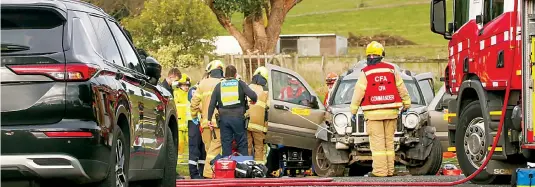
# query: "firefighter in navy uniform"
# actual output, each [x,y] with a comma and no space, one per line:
[380,93]
[229,97]
[199,104]
[257,128]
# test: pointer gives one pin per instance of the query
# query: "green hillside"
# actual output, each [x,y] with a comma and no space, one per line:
[406,18]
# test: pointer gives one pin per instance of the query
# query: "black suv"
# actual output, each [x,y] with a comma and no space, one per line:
[78,104]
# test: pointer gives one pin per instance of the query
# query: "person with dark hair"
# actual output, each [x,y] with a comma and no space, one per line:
[229,98]
[173,76]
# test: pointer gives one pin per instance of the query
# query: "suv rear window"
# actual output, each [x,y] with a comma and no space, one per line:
[31,31]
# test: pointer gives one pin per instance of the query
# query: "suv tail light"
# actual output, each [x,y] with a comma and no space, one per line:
[58,72]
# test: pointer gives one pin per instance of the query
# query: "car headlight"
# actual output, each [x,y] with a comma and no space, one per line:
[340,120]
[411,121]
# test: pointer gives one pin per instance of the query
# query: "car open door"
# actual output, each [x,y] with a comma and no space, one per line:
[426,84]
[294,110]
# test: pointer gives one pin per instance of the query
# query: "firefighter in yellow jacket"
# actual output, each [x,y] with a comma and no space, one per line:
[201,98]
[257,127]
[180,93]
[380,93]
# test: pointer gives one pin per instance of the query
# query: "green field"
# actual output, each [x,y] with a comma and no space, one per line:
[406,18]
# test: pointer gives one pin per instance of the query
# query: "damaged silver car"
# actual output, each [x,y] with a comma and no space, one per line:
[345,143]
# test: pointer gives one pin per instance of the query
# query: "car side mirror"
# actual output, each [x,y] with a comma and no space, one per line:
[154,69]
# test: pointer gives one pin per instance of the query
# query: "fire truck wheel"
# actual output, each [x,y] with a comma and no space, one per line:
[432,163]
[471,144]
[322,166]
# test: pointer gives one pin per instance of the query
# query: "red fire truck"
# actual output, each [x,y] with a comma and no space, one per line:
[491,60]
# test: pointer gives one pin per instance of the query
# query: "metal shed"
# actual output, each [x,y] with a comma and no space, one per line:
[312,44]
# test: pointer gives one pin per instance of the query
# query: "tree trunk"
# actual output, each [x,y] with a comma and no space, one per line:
[257,38]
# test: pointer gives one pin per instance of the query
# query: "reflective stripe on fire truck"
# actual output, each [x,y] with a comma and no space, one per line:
[448,115]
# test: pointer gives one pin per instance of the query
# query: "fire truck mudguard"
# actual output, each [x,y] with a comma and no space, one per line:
[481,96]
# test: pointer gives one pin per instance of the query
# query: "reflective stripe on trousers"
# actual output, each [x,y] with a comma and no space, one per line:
[381,133]
[257,127]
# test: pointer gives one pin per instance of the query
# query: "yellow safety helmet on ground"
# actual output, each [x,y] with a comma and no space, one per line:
[262,71]
[375,48]
[184,80]
[215,64]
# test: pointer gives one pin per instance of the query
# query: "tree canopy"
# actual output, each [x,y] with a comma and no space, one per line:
[262,21]
[176,32]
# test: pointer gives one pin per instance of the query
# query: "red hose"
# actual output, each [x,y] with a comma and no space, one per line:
[297,182]
[257,180]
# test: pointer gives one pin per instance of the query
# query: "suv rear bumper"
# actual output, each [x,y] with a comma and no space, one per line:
[51,166]
[27,153]
[43,166]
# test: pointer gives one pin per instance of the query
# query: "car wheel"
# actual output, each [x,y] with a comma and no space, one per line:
[169,170]
[432,163]
[471,144]
[322,166]
[359,170]
[118,164]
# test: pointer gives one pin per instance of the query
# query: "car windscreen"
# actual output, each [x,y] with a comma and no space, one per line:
[344,92]
[31,31]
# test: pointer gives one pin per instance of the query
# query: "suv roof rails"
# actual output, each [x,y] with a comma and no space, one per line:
[89,5]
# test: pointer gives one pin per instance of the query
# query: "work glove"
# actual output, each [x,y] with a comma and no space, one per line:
[404,110]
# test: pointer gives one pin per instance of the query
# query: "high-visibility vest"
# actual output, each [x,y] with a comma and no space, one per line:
[381,90]
[257,111]
[182,108]
[229,92]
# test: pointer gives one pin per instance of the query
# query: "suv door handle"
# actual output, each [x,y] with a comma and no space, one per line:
[281,107]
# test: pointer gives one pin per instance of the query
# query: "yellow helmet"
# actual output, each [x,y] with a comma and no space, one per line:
[184,80]
[215,64]
[262,71]
[375,48]
[207,66]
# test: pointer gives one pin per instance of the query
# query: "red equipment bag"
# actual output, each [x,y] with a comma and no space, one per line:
[224,168]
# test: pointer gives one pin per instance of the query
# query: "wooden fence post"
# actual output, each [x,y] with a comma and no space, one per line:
[295,62]
[323,64]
